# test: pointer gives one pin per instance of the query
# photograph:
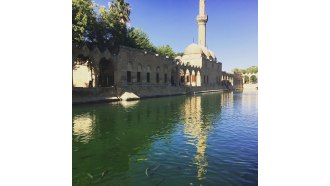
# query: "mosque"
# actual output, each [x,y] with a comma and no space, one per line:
[102,73]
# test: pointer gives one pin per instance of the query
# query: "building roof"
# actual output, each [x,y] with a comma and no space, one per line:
[212,54]
[198,49]
[193,49]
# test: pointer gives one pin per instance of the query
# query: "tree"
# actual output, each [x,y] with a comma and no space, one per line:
[83,16]
[109,29]
[166,50]
[139,39]
[253,69]
[237,70]
[121,10]
[117,17]
[254,79]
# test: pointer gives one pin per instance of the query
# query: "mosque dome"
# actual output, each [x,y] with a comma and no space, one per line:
[199,49]
[193,49]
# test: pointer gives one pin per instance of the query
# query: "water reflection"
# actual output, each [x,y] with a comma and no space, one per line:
[108,137]
[83,126]
[128,104]
[196,127]
[227,99]
[250,100]
[189,136]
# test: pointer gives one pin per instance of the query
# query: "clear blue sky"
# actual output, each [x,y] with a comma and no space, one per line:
[232,29]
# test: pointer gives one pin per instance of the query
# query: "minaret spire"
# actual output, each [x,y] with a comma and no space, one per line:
[202,20]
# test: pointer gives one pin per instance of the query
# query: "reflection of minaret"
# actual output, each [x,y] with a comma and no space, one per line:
[202,20]
[196,129]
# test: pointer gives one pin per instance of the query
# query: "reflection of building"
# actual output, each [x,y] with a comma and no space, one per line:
[83,126]
[128,104]
[227,99]
[197,131]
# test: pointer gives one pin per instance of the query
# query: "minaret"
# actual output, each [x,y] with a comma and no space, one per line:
[202,20]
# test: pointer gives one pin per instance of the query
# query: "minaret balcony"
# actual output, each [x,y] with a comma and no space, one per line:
[202,18]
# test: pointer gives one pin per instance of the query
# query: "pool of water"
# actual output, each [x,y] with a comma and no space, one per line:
[208,139]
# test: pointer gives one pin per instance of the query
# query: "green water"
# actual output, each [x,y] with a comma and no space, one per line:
[209,139]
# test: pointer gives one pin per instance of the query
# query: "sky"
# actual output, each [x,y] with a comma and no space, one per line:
[231,31]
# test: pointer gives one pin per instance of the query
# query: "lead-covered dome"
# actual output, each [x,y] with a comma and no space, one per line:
[193,49]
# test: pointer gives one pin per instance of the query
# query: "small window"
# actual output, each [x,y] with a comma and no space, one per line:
[138,77]
[129,76]
[188,79]
[165,78]
[157,78]
[148,77]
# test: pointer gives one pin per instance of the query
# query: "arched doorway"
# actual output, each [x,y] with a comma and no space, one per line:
[174,76]
[188,78]
[83,72]
[106,77]
[198,79]
[246,79]
[182,77]
[193,79]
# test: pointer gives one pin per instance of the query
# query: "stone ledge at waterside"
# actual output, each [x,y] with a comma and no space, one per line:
[129,93]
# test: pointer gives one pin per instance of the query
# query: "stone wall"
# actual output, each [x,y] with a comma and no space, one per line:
[112,75]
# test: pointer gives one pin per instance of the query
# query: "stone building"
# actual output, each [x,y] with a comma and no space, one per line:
[149,74]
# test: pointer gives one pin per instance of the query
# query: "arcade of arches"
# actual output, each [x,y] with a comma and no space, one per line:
[250,78]
[136,67]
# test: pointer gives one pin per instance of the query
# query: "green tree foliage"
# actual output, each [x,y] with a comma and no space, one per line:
[139,39]
[121,11]
[108,27]
[236,70]
[253,69]
[117,17]
[166,50]
[105,29]
[254,79]
[83,17]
